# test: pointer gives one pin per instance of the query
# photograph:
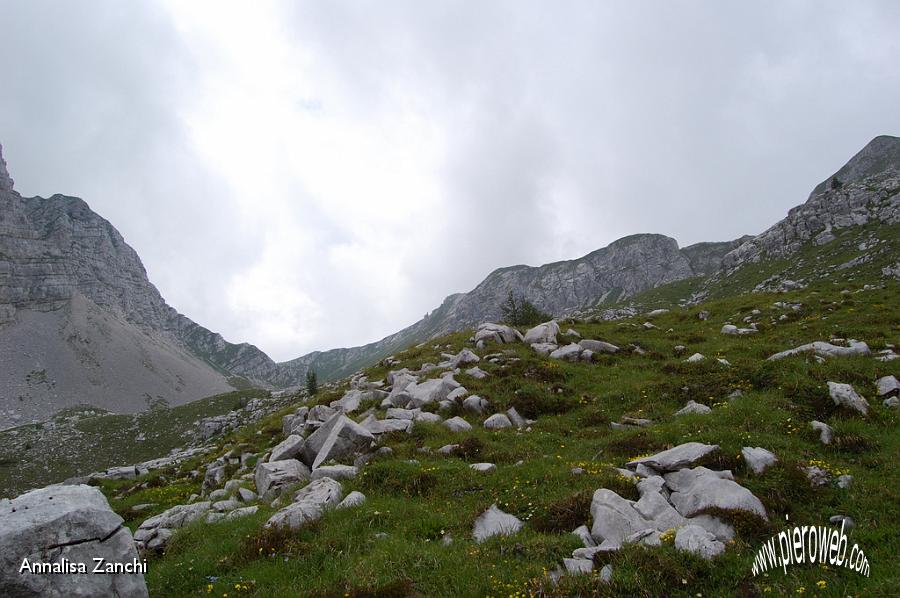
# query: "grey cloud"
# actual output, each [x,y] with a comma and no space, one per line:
[565,127]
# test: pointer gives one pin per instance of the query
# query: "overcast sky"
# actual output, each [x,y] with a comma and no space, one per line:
[320,174]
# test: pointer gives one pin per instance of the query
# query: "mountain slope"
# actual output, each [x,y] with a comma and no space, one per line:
[80,323]
[626,267]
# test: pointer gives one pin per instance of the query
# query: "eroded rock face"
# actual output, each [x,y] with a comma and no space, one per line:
[65,524]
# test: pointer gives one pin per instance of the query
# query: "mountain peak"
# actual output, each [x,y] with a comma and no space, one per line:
[880,154]
[6,183]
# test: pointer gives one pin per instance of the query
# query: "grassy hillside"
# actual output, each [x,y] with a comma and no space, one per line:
[83,440]
[391,546]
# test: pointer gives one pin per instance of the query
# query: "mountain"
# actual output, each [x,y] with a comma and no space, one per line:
[81,323]
[866,190]
[623,269]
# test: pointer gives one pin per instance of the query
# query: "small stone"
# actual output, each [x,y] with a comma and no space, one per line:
[693,407]
[483,467]
[826,432]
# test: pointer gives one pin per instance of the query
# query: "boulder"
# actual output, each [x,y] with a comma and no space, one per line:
[888,385]
[475,404]
[578,566]
[340,437]
[516,419]
[384,426]
[457,424]
[350,401]
[155,532]
[68,525]
[568,353]
[495,522]
[695,358]
[598,346]
[758,459]
[696,540]
[683,455]
[498,421]
[699,489]
[542,333]
[543,348]
[309,504]
[457,394]
[477,373]
[354,499]
[272,476]
[288,448]
[430,391]
[464,357]
[843,394]
[497,333]
[615,519]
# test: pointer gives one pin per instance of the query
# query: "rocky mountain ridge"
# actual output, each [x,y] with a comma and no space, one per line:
[59,257]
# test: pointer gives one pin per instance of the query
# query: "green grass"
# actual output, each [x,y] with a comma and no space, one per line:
[416,503]
[391,545]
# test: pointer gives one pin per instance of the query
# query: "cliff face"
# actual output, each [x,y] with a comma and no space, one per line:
[81,323]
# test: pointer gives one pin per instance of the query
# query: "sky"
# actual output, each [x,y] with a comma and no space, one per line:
[312,175]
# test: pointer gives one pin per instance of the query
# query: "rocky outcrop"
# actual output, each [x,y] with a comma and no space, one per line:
[866,189]
[65,528]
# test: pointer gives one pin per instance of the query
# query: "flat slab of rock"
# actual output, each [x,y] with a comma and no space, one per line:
[384,426]
[679,457]
[823,349]
[698,489]
[758,459]
[74,523]
[843,394]
[494,522]
[309,504]
[598,346]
